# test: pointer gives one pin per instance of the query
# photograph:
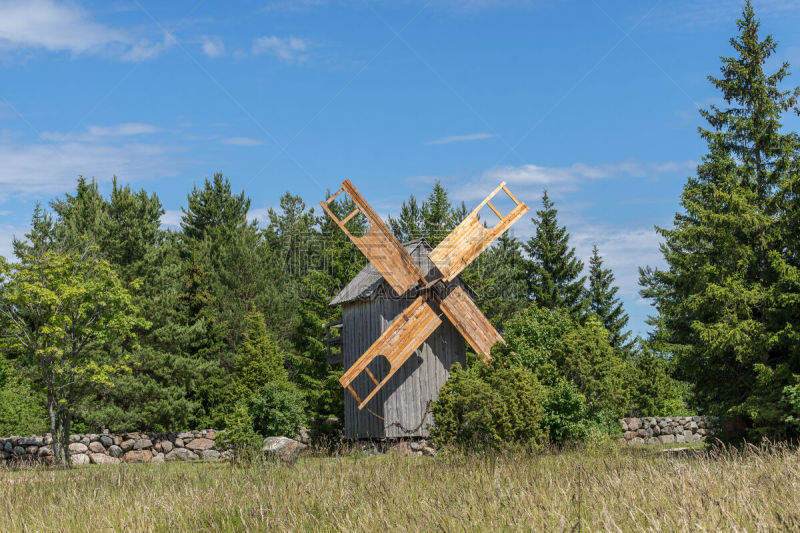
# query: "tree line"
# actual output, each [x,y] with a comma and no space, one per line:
[110,320]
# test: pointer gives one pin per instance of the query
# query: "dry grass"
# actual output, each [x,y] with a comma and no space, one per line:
[755,489]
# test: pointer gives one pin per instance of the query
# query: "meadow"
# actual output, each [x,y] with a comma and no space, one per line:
[608,489]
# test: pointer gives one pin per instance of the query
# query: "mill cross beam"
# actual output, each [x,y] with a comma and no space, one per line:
[418,321]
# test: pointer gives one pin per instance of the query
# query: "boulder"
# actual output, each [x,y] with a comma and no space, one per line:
[142,444]
[633,423]
[158,458]
[94,437]
[181,454]
[127,445]
[185,435]
[80,459]
[106,441]
[8,446]
[137,456]
[85,441]
[31,450]
[211,455]
[78,447]
[74,438]
[115,451]
[96,447]
[200,444]
[18,450]
[166,446]
[303,435]
[103,459]
[179,442]
[30,441]
[4,455]
[211,434]
[45,451]
[286,449]
[666,439]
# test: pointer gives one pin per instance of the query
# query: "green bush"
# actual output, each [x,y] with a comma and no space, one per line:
[22,409]
[239,436]
[490,406]
[278,408]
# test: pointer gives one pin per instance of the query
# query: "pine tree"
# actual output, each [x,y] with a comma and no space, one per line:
[437,215]
[601,299]
[554,273]
[409,225]
[727,301]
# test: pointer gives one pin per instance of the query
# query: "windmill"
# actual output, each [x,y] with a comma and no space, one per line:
[442,291]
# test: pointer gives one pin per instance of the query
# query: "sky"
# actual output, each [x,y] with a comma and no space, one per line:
[597,101]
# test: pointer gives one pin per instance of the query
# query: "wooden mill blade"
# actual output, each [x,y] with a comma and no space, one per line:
[401,339]
[470,322]
[470,238]
[379,245]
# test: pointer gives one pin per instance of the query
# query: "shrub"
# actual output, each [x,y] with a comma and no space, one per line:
[278,408]
[239,436]
[490,406]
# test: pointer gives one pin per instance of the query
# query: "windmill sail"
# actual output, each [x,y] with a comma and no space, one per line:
[470,238]
[459,308]
[401,339]
[379,245]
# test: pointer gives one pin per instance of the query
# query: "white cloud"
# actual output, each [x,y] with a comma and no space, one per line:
[531,179]
[99,133]
[7,235]
[242,141]
[290,49]
[66,27]
[53,167]
[171,218]
[213,46]
[461,138]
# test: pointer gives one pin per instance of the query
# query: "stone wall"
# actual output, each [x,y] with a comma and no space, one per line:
[108,448]
[668,429]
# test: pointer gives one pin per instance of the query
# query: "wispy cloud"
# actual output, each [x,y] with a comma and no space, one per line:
[171,218]
[289,49]
[51,164]
[213,46]
[242,141]
[99,133]
[532,178]
[461,138]
[66,27]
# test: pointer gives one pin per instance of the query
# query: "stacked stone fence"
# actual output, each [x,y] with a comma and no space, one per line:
[668,429]
[107,448]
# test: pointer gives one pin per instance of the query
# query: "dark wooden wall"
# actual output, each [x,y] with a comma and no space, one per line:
[405,397]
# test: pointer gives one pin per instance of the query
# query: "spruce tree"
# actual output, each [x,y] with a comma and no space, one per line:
[601,299]
[554,273]
[409,224]
[727,301]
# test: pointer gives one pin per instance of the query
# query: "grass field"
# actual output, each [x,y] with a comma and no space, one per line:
[755,489]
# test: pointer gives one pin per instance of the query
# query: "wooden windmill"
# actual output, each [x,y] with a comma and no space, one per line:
[425,285]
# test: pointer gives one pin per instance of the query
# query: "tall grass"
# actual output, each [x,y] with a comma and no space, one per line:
[753,489]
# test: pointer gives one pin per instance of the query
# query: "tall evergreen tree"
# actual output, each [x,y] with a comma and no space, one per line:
[727,301]
[433,220]
[409,224]
[601,299]
[554,273]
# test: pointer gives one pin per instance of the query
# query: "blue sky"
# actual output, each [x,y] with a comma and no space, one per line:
[595,100]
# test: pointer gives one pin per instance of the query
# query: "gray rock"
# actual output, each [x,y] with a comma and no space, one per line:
[85,441]
[18,450]
[637,440]
[137,456]
[210,434]
[106,441]
[80,459]
[93,437]
[78,447]
[653,440]
[641,432]
[158,458]
[30,441]
[303,435]
[211,455]
[8,446]
[200,444]
[103,459]
[680,438]
[44,451]
[74,438]
[693,425]
[185,435]
[666,439]
[166,446]
[286,449]
[633,423]
[127,445]
[143,444]
[31,450]
[96,447]
[115,451]
[181,454]
[4,455]
[179,442]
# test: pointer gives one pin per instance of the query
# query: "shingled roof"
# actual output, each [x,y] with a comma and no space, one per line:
[367,283]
